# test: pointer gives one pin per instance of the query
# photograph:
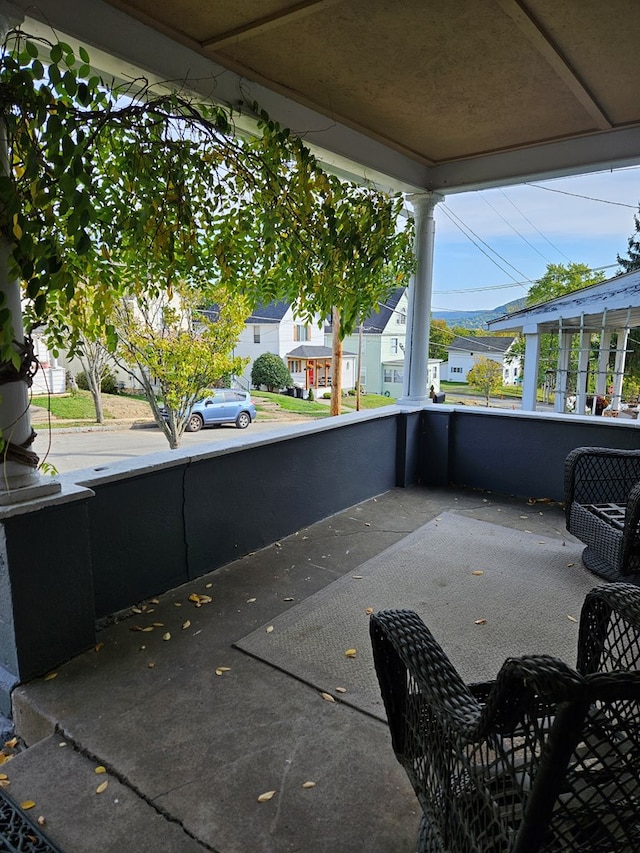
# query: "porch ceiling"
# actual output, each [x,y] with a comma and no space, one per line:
[445,94]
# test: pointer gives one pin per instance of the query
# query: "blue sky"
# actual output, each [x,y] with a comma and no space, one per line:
[583,219]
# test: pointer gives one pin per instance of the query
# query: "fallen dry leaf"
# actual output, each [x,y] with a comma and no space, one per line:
[186,625]
[166,636]
[154,601]
[194,597]
[327,697]
[264,798]
[222,669]
[4,783]
[351,653]
[177,604]
[100,769]
[147,629]
[357,577]
[102,786]
[269,629]
[570,565]
[341,689]
[27,804]
[478,572]
[11,743]
[288,598]
[151,665]
[571,618]
[51,676]
[480,621]
[3,776]
[41,820]
[369,611]
[98,647]
[251,600]
[158,624]
[308,784]
[208,585]
[278,544]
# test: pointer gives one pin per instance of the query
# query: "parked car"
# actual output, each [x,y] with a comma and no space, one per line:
[223,406]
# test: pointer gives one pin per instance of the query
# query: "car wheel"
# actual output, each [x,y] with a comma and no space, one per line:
[195,423]
[243,420]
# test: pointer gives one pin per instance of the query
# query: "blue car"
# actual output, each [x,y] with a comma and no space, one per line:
[223,406]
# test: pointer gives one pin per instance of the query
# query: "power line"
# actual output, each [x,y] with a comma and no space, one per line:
[513,228]
[585,197]
[537,230]
[465,228]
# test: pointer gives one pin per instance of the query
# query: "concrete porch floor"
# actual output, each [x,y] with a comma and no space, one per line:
[187,753]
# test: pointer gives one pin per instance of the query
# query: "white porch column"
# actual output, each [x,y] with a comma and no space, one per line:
[562,378]
[19,479]
[603,362]
[583,370]
[419,298]
[531,366]
[618,371]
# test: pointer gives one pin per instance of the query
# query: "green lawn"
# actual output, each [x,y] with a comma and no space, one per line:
[291,404]
[77,407]
[318,409]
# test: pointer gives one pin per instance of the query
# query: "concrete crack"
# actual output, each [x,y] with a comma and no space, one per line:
[111,770]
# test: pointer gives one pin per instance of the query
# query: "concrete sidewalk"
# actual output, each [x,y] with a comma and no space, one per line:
[188,752]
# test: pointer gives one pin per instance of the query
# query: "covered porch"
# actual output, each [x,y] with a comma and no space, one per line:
[188,752]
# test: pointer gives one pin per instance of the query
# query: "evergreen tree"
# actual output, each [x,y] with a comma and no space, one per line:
[633,249]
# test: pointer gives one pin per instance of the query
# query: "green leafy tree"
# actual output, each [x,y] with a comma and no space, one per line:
[560,279]
[632,261]
[485,376]
[440,336]
[131,191]
[176,352]
[270,370]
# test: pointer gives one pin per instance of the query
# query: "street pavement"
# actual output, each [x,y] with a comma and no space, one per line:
[73,449]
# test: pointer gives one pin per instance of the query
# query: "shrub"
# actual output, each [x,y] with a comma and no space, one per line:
[270,370]
[326,395]
[108,383]
[310,395]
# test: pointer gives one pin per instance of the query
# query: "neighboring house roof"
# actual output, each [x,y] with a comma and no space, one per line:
[377,321]
[493,345]
[273,312]
[612,304]
[313,352]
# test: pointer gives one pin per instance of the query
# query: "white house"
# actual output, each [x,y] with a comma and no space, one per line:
[463,353]
[381,343]
[276,328]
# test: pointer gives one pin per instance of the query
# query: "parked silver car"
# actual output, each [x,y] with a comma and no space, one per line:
[223,406]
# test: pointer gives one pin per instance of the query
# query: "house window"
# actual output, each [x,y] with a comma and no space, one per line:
[388,374]
[401,319]
[294,365]
[393,346]
[398,377]
[301,333]
[456,370]
[256,334]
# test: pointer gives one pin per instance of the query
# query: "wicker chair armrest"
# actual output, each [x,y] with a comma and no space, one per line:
[405,653]
[609,638]
[599,474]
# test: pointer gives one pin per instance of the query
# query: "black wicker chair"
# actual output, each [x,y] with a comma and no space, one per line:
[545,758]
[602,506]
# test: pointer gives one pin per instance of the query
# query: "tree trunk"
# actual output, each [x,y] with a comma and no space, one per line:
[94,382]
[336,367]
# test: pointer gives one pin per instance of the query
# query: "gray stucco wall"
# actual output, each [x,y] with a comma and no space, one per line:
[513,453]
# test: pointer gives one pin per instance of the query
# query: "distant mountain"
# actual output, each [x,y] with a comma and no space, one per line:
[478,319]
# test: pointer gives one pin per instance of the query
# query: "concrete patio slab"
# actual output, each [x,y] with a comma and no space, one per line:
[192,750]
